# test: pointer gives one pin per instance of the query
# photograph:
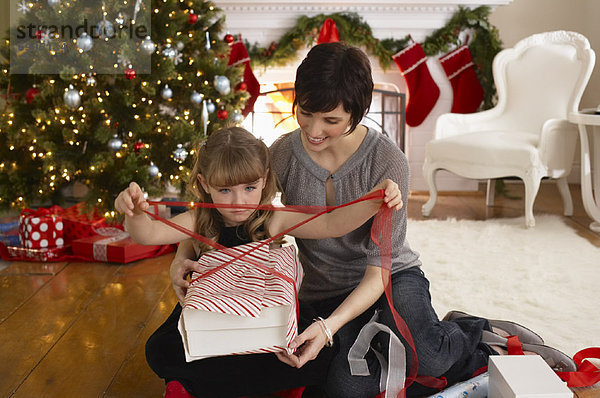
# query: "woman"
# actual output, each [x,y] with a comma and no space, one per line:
[333,159]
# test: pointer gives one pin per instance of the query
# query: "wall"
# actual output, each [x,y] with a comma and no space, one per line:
[522,18]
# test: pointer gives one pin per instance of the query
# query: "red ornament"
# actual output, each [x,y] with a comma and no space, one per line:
[38,34]
[222,114]
[229,38]
[30,94]
[192,18]
[242,86]
[130,73]
[138,146]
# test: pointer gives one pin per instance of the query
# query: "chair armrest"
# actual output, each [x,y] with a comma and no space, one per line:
[452,124]
[557,146]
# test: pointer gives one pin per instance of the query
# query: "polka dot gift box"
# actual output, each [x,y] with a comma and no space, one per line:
[41,228]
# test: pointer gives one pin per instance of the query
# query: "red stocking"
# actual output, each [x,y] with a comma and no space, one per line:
[467,91]
[329,32]
[423,92]
[239,55]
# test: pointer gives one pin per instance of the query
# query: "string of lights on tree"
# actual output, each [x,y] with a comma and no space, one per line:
[106,129]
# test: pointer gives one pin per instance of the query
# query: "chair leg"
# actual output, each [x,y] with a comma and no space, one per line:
[532,186]
[563,188]
[429,175]
[490,192]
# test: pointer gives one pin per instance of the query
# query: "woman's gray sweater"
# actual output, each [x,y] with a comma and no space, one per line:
[336,266]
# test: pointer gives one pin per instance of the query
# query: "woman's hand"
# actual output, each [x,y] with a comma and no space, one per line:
[131,200]
[308,345]
[181,266]
[393,196]
[179,270]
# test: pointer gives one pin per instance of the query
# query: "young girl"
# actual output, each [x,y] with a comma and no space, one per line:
[233,168]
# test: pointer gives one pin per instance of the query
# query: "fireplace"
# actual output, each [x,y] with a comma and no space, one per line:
[267,20]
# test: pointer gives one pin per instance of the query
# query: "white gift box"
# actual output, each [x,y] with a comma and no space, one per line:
[524,376]
[243,302]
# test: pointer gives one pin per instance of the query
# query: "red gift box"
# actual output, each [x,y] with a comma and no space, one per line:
[14,253]
[115,245]
[41,228]
[79,223]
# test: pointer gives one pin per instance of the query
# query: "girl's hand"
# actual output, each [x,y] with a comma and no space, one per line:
[178,271]
[131,200]
[309,343]
[393,196]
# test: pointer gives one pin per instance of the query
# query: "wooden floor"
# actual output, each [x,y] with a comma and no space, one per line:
[78,329]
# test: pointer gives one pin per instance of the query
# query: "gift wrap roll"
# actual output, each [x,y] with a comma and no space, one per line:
[477,387]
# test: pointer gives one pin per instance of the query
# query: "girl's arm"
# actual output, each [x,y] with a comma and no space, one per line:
[338,222]
[312,339]
[143,229]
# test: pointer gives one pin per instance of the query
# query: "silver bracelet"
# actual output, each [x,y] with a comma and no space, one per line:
[325,330]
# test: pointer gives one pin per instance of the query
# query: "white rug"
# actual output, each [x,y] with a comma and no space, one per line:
[547,277]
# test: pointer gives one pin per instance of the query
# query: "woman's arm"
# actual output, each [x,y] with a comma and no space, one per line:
[313,339]
[340,221]
[141,227]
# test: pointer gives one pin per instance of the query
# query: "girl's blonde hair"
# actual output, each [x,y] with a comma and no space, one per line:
[232,156]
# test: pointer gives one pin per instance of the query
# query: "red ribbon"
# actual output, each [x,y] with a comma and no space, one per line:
[587,374]
[42,211]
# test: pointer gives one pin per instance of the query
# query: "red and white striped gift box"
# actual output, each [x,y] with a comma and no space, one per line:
[242,307]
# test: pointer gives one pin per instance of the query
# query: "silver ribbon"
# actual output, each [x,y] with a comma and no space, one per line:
[393,374]
[100,248]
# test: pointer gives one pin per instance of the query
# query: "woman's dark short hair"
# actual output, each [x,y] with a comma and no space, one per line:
[334,73]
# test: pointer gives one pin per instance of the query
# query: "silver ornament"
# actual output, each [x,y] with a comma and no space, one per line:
[71,97]
[90,81]
[53,3]
[166,92]
[148,45]
[105,29]
[153,170]
[169,51]
[120,19]
[180,45]
[207,44]
[210,107]
[237,116]
[196,97]
[222,84]
[180,154]
[85,42]
[115,143]
[204,118]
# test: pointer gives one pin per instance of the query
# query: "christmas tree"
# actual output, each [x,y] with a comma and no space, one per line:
[107,92]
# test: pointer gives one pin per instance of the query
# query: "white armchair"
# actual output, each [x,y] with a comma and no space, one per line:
[526,135]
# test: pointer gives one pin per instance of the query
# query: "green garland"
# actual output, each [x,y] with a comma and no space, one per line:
[484,44]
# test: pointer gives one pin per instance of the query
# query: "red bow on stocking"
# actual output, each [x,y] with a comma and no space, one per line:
[329,32]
